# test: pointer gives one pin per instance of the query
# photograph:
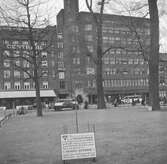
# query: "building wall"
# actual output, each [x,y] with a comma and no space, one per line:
[125,65]
[125,70]
[13,42]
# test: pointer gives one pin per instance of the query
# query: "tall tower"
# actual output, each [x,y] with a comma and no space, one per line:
[71,9]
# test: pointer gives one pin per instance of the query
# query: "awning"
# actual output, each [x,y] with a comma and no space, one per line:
[24,94]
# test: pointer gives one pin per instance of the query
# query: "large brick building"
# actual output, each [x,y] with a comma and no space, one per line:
[68,54]
[125,66]
[16,87]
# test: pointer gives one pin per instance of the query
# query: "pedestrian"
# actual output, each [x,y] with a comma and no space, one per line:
[115,102]
[86,104]
[143,101]
[133,102]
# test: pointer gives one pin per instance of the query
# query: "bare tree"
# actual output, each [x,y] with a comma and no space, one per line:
[27,17]
[141,8]
[98,20]
[153,57]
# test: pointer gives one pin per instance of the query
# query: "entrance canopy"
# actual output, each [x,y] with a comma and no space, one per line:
[26,94]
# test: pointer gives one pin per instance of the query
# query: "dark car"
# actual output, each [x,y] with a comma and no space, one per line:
[22,109]
[66,104]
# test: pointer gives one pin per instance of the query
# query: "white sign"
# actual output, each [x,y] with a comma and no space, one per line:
[78,146]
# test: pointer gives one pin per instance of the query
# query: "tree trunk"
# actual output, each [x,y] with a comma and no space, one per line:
[99,69]
[154,56]
[38,98]
[99,80]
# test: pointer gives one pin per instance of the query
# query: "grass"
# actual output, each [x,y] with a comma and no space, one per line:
[123,136]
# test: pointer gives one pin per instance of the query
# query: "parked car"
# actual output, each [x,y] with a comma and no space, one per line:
[22,109]
[66,104]
[130,99]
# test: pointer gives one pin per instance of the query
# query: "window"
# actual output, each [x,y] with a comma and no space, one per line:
[60,64]
[17,62]
[25,42]
[60,44]
[60,36]
[45,84]
[45,73]
[130,61]
[16,74]
[61,75]
[17,85]
[91,83]
[15,42]
[112,60]
[88,27]
[26,54]
[125,72]
[26,76]
[6,63]
[106,60]
[142,61]
[62,84]
[6,53]
[44,63]
[44,54]
[75,28]
[90,70]
[26,64]
[60,55]
[6,74]
[90,48]
[88,38]
[136,61]
[16,53]
[75,49]
[77,83]
[76,60]
[53,73]
[53,63]
[7,85]
[26,85]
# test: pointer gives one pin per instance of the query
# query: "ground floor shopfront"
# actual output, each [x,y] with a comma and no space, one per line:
[110,95]
[11,99]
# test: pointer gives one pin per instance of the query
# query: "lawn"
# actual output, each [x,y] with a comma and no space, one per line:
[122,135]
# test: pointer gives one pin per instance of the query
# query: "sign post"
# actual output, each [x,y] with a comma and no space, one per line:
[78,146]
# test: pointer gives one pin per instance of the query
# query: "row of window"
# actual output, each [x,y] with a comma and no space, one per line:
[119,51]
[118,71]
[17,74]
[26,54]
[90,48]
[23,44]
[114,27]
[120,83]
[116,60]
[126,30]
[125,83]
[25,63]
[123,32]
[76,60]
[26,85]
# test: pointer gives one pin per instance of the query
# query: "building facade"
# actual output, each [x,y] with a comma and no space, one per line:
[125,65]
[67,56]
[17,65]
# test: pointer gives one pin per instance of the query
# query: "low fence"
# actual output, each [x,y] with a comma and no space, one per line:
[5,115]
